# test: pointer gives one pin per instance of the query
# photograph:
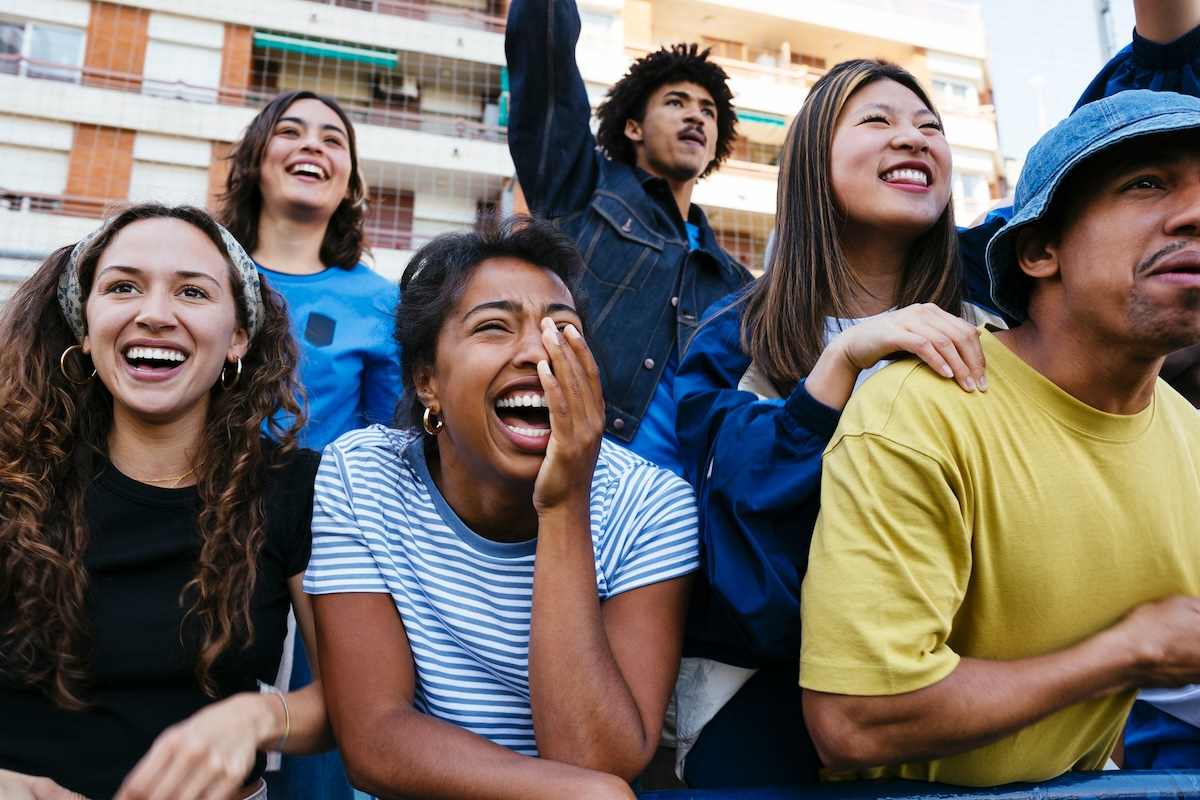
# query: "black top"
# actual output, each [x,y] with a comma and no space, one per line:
[142,550]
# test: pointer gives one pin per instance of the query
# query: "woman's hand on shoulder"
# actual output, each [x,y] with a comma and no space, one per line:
[946,343]
[209,754]
[571,382]
[15,786]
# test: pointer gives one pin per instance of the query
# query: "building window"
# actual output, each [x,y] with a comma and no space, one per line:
[956,94]
[41,51]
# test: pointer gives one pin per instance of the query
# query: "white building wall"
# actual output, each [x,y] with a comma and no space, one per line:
[35,154]
[72,13]
[183,57]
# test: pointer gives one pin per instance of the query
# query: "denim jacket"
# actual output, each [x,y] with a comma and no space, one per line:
[643,290]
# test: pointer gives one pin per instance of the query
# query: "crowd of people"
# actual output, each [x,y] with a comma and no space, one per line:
[580,496]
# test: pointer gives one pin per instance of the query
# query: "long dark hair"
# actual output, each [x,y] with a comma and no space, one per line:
[241,203]
[53,437]
[783,318]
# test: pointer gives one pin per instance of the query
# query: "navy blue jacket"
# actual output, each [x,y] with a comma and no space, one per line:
[644,291]
[756,464]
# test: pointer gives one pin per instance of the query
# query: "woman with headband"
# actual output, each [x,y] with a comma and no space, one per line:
[151,539]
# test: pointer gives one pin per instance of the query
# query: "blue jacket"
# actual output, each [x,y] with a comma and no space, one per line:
[756,464]
[644,291]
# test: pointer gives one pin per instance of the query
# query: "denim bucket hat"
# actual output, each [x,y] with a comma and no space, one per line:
[1090,130]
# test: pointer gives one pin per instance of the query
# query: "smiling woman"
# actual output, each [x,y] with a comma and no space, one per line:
[522,581]
[152,537]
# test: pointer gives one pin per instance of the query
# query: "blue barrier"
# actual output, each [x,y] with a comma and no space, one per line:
[1115,785]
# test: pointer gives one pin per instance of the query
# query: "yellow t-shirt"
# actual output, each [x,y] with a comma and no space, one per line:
[996,525]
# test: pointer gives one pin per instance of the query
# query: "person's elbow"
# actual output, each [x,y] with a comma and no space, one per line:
[841,737]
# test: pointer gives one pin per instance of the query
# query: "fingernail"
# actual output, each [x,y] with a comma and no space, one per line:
[544,366]
[983,383]
[969,382]
[947,372]
[571,331]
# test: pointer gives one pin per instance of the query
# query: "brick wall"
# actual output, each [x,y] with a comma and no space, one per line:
[236,60]
[116,43]
[99,169]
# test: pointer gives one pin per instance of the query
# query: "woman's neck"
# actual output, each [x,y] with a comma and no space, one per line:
[155,452]
[291,245]
[502,513]
[878,262]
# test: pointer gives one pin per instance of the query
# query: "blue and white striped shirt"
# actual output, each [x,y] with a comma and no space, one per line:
[381,525]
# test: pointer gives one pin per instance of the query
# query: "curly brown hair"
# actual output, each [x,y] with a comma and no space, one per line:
[678,64]
[241,203]
[53,439]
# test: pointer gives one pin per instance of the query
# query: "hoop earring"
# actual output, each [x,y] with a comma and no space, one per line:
[236,376]
[431,423]
[62,365]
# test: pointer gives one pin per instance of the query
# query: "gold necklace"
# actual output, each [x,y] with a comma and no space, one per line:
[173,479]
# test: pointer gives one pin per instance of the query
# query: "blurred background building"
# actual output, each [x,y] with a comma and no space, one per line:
[103,103]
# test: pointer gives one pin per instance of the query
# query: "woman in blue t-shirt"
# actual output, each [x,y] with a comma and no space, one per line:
[501,590]
[295,199]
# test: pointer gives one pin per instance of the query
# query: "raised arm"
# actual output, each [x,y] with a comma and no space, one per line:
[548,129]
[1164,55]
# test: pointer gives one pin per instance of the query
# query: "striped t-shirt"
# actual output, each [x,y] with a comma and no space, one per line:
[381,525]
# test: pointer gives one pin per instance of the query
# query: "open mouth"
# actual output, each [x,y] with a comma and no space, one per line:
[906,176]
[524,413]
[694,135]
[154,359]
[307,169]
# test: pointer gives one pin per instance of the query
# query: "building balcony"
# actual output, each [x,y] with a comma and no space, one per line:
[483,16]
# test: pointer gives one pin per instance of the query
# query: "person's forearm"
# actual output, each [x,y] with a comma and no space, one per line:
[405,753]
[832,378]
[979,702]
[1164,21]
[304,723]
[583,710]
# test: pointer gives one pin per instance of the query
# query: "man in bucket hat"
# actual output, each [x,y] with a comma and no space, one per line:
[994,574]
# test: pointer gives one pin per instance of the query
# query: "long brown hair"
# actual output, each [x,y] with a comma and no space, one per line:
[783,319]
[241,203]
[53,437]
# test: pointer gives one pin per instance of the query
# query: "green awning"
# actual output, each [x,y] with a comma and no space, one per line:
[762,119]
[290,44]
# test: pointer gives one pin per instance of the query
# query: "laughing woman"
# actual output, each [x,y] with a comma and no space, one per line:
[151,539]
[520,582]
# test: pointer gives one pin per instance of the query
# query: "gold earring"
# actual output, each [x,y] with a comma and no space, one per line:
[236,376]
[62,365]
[431,423]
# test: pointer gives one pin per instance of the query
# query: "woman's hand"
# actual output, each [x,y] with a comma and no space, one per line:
[943,341]
[571,382]
[208,755]
[15,786]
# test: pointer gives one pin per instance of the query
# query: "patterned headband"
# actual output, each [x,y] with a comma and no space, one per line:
[70,295]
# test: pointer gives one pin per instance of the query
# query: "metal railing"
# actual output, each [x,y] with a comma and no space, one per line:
[1116,785]
[428,122]
[432,12]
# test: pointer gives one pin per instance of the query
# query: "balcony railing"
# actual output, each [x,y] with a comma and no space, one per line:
[428,122]
[431,12]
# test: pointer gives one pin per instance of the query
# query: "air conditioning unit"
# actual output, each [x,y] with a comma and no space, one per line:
[393,87]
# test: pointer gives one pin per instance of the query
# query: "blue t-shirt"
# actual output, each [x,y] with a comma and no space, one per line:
[655,439]
[381,525]
[343,321]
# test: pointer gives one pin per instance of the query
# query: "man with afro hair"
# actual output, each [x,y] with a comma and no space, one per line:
[625,197]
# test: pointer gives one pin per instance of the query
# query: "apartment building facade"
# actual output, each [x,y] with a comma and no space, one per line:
[103,103]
